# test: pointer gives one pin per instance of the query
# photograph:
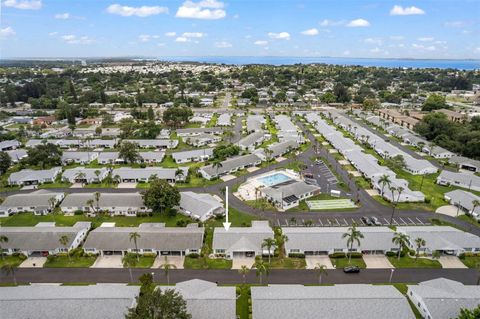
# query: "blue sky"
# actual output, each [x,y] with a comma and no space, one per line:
[341,28]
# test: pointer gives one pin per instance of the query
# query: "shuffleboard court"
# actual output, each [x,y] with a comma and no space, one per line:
[330,204]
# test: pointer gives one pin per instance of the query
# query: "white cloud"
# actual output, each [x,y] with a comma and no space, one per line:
[331,23]
[160,45]
[455,24]
[477,50]
[375,41]
[7,32]
[375,50]
[424,47]
[73,39]
[346,52]
[206,10]
[52,34]
[223,44]
[313,31]
[181,39]
[23,4]
[397,37]
[193,35]
[358,23]
[170,34]
[261,42]
[426,39]
[279,36]
[62,16]
[401,11]
[143,11]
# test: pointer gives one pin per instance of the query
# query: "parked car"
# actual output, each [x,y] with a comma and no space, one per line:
[311,181]
[367,221]
[351,269]
[375,221]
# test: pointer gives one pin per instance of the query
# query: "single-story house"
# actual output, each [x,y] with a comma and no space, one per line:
[85,175]
[328,240]
[255,123]
[136,175]
[100,301]
[202,139]
[464,200]
[17,155]
[277,149]
[242,241]
[466,163]
[44,238]
[154,238]
[160,144]
[200,206]
[437,151]
[34,177]
[118,204]
[186,132]
[443,298]
[360,301]
[105,158]
[9,145]
[251,141]
[152,157]
[289,194]
[99,143]
[230,165]
[224,119]
[463,180]
[199,155]
[39,202]
[79,157]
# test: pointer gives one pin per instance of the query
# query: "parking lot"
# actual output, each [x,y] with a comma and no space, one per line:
[326,173]
[348,221]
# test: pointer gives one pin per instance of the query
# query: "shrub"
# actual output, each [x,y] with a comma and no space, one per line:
[391,254]
[337,255]
[193,255]
[355,255]
[20,256]
[149,255]
[181,223]
[78,212]
[296,255]
[428,200]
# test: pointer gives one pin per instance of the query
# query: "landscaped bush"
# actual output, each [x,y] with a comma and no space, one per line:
[354,255]
[78,212]
[182,223]
[391,254]
[468,254]
[19,255]
[150,255]
[193,255]
[337,255]
[296,255]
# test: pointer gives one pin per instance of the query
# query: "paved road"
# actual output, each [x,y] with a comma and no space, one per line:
[278,276]
[226,100]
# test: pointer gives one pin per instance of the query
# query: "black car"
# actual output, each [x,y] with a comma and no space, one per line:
[367,221]
[351,269]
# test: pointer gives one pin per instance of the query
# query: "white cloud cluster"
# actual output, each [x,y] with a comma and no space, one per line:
[205,10]
[62,16]
[6,32]
[424,47]
[260,42]
[331,23]
[311,32]
[23,4]
[279,36]
[170,34]
[143,11]
[147,37]
[188,36]
[73,39]
[223,44]
[375,41]
[407,11]
[358,23]
[426,39]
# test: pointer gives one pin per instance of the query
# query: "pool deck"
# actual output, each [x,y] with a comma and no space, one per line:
[246,191]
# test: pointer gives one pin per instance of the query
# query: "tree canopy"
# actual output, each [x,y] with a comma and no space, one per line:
[44,155]
[161,196]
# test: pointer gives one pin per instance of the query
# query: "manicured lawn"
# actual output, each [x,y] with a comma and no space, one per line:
[408,262]
[28,219]
[237,218]
[362,182]
[286,263]
[145,262]
[168,162]
[100,185]
[206,263]
[261,203]
[243,301]
[72,262]
[55,185]
[339,263]
[14,260]
[471,262]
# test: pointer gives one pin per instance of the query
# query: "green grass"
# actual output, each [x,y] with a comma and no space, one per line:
[55,185]
[145,262]
[469,219]
[243,301]
[471,262]
[14,260]
[28,219]
[408,262]
[362,182]
[72,262]
[237,218]
[168,162]
[100,185]
[206,263]
[340,263]
[286,263]
[261,203]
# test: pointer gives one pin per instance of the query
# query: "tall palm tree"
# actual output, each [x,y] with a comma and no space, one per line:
[281,239]
[64,240]
[130,261]
[134,236]
[257,190]
[3,239]
[261,269]
[80,176]
[179,174]
[10,269]
[97,174]
[384,181]
[419,242]
[393,189]
[97,196]
[166,269]
[217,164]
[90,204]
[353,235]
[321,270]
[475,204]
[244,272]
[268,153]
[401,240]
[269,243]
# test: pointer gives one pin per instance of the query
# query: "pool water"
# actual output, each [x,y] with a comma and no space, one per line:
[274,179]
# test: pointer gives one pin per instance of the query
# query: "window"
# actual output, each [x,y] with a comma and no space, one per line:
[220,251]
[294,250]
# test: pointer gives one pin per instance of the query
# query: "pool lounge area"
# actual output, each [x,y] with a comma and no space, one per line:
[274,179]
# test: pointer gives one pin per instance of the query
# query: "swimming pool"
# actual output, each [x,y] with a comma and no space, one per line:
[274,179]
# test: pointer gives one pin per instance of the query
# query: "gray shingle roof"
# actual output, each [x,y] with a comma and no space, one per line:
[106,200]
[232,163]
[441,237]
[199,204]
[38,198]
[242,238]
[193,153]
[34,175]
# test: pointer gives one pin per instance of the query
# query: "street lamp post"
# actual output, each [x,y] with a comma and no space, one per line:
[391,275]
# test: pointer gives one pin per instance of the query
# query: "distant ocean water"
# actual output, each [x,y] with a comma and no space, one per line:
[275,60]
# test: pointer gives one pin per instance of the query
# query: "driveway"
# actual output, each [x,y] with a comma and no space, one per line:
[237,263]
[114,261]
[451,262]
[312,261]
[228,177]
[377,261]
[449,210]
[77,185]
[127,185]
[33,262]
[177,261]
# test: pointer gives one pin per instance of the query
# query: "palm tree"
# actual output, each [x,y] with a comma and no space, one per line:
[134,236]
[321,270]
[97,195]
[90,204]
[475,204]
[97,173]
[10,269]
[261,269]
[269,243]
[401,240]
[117,179]
[244,272]
[130,261]
[281,240]
[353,235]
[268,153]
[384,180]
[257,190]
[419,242]
[80,176]
[179,174]
[393,189]
[64,240]
[217,164]
[166,269]
[3,239]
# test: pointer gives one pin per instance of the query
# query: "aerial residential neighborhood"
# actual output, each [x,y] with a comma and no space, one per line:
[213,159]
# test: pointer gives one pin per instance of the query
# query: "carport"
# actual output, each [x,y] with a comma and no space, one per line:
[243,254]
[172,253]
[316,253]
[112,253]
